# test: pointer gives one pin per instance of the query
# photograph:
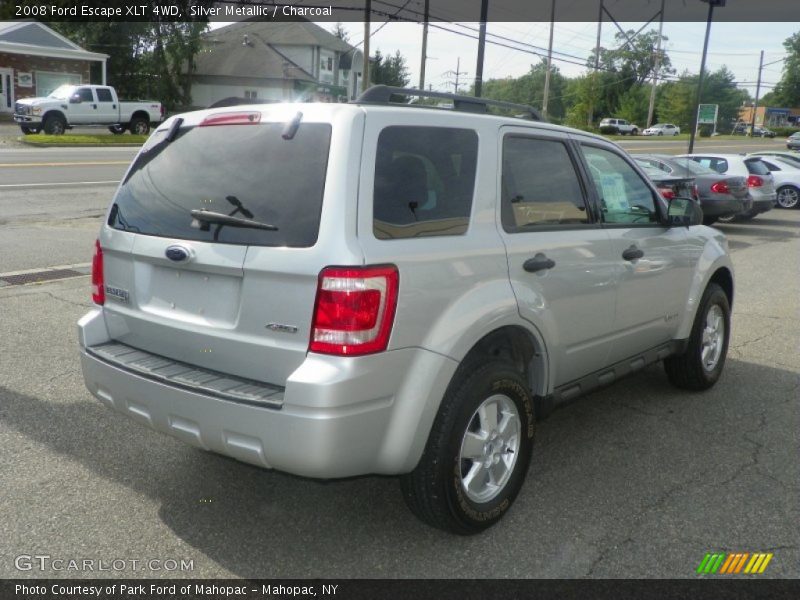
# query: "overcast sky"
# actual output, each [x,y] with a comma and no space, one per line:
[736,45]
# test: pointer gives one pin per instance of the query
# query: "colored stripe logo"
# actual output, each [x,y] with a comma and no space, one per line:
[734,563]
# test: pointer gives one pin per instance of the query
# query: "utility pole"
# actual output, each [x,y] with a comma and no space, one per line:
[711,5]
[365,75]
[758,90]
[457,73]
[549,59]
[424,46]
[481,48]
[652,104]
[596,64]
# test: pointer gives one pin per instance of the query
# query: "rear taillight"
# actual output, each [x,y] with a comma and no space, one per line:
[754,181]
[720,187]
[666,193]
[98,282]
[354,310]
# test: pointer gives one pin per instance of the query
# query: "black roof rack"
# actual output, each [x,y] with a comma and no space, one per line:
[382,94]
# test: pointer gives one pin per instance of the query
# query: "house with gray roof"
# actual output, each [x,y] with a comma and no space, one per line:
[34,60]
[274,61]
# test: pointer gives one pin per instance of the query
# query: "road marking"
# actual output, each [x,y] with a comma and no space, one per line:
[66,164]
[16,185]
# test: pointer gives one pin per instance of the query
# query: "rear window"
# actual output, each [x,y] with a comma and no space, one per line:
[424,181]
[245,171]
[756,167]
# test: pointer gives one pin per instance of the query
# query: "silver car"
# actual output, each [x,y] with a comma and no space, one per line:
[335,290]
[760,182]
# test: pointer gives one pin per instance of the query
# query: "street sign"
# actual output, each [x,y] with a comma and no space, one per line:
[707,114]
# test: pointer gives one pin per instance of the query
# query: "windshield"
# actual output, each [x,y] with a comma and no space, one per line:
[241,171]
[62,91]
[694,168]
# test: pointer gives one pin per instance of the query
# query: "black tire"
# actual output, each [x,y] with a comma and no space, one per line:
[139,126]
[660,132]
[117,129]
[688,370]
[29,130]
[635,132]
[55,125]
[433,490]
[709,220]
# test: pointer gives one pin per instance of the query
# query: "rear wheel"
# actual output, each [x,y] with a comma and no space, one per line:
[55,125]
[635,132]
[701,365]
[788,196]
[139,126]
[478,451]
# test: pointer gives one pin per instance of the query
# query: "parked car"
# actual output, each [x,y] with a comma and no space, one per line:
[670,186]
[792,157]
[335,290]
[763,132]
[760,183]
[662,129]
[719,196]
[786,175]
[86,106]
[793,141]
[620,126]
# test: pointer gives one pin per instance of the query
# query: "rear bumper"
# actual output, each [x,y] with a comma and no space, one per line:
[722,207]
[763,205]
[340,416]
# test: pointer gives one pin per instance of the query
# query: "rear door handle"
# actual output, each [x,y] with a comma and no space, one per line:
[632,253]
[538,263]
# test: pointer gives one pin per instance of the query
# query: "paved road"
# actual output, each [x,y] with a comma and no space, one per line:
[638,480]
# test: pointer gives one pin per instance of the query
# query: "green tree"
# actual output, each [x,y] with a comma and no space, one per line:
[340,32]
[787,92]
[634,103]
[529,89]
[389,70]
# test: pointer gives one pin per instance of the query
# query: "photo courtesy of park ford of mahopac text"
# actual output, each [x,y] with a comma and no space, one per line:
[426,299]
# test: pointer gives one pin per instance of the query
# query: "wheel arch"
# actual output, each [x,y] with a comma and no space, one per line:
[711,269]
[54,112]
[139,114]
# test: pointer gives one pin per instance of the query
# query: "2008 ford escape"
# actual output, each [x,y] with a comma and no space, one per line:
[343,289]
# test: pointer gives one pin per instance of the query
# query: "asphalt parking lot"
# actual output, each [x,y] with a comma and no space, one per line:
[636,480]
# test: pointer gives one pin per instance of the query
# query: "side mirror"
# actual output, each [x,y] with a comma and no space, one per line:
[75,99]
[684,212]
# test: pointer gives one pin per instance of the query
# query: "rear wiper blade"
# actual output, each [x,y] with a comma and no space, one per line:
[208,216]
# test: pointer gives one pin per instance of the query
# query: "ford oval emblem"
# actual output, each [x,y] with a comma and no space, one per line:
[178,253]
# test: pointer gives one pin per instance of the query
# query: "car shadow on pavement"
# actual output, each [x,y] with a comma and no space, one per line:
[612,451]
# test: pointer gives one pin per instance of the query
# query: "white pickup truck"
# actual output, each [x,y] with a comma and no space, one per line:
[69,106]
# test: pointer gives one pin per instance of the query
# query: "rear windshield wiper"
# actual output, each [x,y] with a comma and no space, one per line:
[206,217]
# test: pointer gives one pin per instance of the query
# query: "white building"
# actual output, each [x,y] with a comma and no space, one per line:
[280,61]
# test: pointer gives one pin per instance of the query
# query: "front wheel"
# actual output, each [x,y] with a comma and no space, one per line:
[701,365]
[478,451]
[788,196]
[635,132]
[55,125]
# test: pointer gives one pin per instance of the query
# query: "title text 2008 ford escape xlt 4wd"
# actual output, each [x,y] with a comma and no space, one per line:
[343,289]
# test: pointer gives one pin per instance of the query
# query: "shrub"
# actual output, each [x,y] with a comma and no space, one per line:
[784,131]
[705,130]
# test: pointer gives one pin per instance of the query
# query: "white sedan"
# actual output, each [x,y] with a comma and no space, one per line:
[662,129]
[787,180]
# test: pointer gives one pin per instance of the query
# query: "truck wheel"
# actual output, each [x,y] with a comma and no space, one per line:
[478,451]
[635,131]
[55,125]
[117,129]
[139,126]
[701,365]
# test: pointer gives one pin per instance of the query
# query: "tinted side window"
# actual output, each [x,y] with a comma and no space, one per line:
[624,196]
[104,95]
[424,181]
[86,94]
[540,185]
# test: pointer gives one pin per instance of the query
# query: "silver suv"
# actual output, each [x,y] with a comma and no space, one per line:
[343,289]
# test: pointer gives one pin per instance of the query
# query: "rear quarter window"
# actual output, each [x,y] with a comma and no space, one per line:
[244,171]
[424,181]
[756,167]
